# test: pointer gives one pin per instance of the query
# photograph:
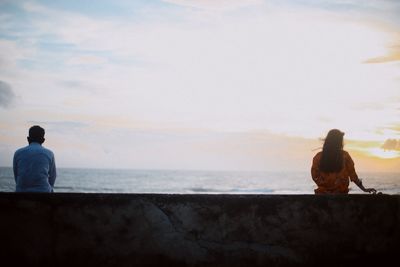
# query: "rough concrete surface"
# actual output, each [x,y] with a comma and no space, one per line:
[67,229]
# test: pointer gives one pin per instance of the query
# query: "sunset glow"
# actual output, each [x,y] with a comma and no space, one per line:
[380,153]
[248,85]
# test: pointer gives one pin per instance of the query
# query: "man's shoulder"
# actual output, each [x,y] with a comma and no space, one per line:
[28,149]
[21,150]
[48,151]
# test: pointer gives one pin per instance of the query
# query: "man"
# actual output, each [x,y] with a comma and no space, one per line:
[34,166]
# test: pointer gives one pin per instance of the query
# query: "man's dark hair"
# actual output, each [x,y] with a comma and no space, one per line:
[36,134]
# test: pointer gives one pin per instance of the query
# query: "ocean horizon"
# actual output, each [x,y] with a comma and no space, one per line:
[85,180]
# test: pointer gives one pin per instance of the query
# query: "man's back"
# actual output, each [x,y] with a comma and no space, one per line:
[34,169]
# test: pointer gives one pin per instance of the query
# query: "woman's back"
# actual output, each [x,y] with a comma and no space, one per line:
[333,182]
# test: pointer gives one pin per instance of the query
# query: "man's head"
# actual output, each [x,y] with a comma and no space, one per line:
[36,135]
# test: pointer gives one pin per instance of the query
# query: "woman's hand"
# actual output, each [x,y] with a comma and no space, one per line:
[358,182]
[370,190]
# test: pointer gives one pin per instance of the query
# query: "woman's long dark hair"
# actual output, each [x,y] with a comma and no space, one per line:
[332,152]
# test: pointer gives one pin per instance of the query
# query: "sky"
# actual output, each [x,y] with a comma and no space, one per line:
[204,85]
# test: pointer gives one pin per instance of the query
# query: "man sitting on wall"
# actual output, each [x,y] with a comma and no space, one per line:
[34,166]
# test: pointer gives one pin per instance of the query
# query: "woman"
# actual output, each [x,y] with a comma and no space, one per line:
[332,167]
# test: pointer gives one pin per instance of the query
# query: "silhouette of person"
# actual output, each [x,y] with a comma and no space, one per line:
[333,166]
[34,166]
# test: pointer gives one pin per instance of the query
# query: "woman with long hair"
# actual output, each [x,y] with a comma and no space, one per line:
[333,167]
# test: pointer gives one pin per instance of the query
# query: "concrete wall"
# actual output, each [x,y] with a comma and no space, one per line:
[197,230]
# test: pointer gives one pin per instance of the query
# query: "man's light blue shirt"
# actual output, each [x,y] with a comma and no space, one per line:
[34,169]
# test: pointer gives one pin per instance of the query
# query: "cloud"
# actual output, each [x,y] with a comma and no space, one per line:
[391,144]
[86,60]
[70,83]
[391,52]
[247,69]
[388,6]
[63,127]
[6,95]
[392,55]
[214,4]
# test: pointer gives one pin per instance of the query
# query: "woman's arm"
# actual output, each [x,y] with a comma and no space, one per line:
[358,182]
[315,172]
[353,175]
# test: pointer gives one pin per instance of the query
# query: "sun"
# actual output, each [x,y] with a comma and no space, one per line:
[383,154]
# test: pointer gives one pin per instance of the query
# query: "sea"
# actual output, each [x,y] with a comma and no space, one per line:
[195,182]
